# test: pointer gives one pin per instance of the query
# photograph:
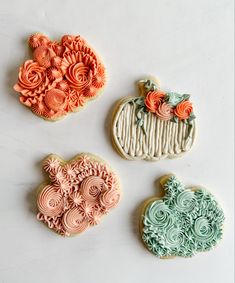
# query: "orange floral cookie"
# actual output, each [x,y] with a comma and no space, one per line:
[80,192]
[154,125]
[62,76]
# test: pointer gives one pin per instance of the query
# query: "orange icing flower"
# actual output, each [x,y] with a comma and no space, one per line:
[56,61]
[183,110]
[90,91]
[32,81]
[99,79]
[39,108]
[153,99]
[53,73]
[62,85]
[55,99]
[164,111]
[37,39]
[74,100]
[79,69]
[43,56]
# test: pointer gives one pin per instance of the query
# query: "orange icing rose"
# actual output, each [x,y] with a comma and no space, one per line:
[32,81]
[183,110]
[153,99]
[164,111]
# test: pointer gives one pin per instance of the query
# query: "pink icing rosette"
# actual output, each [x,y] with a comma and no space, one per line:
[164,111]
[62,76]
[79,194]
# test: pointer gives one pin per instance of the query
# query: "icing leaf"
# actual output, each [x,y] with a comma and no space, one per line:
[191,117]
[174,119]
[175,98]
[149,85]
[140,101]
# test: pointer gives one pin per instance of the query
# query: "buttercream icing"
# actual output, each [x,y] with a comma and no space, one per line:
[80,192]
[69,66]
[155,125]
[182,223]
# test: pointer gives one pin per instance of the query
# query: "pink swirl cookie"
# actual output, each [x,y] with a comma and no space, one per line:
[62,76]
[79,193]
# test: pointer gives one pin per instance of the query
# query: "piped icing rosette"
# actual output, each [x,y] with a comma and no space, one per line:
[185,221]
[80,192]
[62,76]
[154,125]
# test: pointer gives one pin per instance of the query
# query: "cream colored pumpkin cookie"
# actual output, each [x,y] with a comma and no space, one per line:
[154,125]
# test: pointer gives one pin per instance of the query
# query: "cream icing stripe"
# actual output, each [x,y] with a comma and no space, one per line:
[163,138]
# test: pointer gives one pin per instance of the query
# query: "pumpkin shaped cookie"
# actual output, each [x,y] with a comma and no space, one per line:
[78,193]
[154,125]
[185,221]
[61,77]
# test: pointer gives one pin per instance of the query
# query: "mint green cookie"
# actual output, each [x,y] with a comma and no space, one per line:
[183,222]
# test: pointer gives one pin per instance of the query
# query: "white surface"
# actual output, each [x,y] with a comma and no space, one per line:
[189,46]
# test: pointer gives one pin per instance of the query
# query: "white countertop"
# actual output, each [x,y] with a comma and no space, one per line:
[188,45]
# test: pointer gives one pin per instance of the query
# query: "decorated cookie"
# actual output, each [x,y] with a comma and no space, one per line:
[185,221]
[154,125]
[61,76]
[78,193]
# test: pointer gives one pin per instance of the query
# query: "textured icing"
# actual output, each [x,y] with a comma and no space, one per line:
[151,127]
[184,222]
[79,194]
[61,77]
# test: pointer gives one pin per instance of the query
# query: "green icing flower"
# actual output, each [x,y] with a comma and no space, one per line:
[183,222]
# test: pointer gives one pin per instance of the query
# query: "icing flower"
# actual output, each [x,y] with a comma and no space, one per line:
[75,199]
[74,221]
[37,39]
[50,201]
[110,198]
[51,164]
[55,99]
[60,77]
[183,110]
[79,69]
[98,81]
[79,194]
[91,188]
[153,99]
[32,81]
[43,55]
[164,111]
[73,100]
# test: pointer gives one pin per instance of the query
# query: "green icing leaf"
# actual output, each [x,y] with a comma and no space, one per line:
[149,85]
[183,223]
[175,119]
[141,111]
[175,98]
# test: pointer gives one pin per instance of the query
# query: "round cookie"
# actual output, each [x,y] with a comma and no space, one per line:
[185,221]
[62,76]
[154,125]
[78,193]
